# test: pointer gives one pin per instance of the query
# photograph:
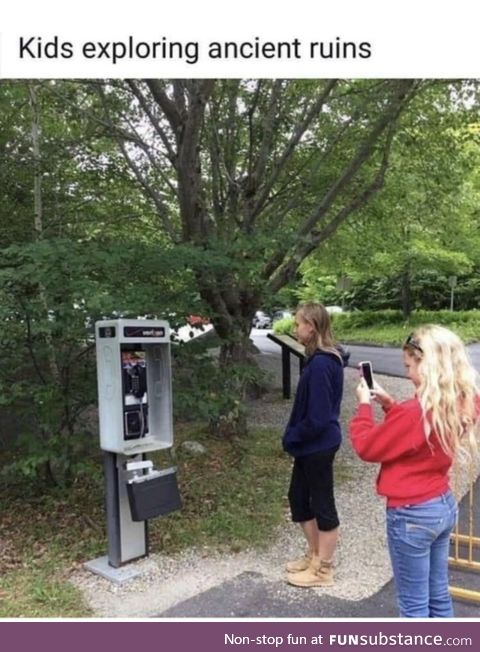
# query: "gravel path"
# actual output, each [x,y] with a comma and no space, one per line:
[362,564]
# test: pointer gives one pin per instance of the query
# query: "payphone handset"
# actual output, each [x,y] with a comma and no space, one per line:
[135,398]
[136,380]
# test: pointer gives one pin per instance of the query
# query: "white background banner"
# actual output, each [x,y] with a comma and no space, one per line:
[222,38]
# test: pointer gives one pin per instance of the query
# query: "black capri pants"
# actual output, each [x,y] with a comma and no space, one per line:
[311,490]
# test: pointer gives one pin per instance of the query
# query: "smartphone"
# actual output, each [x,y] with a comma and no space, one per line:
[366,370]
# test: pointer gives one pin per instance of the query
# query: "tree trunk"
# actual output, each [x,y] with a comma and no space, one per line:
[51,354]
[406,293]
[38,220]
[238,372]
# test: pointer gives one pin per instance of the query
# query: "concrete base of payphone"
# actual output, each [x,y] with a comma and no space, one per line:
[100,566]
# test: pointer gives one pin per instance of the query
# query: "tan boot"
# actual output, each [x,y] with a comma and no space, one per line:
[319,573]
[301,564]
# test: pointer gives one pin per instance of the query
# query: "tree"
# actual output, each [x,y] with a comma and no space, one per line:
[253,175]
[423,224]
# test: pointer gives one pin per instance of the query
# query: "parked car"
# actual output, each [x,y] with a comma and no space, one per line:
[334,310]
[281,314]
[261,320]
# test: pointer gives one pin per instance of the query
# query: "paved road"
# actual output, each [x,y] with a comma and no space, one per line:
[385,360]
[388,360]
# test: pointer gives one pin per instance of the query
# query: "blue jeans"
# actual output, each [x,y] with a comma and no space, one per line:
[418,541]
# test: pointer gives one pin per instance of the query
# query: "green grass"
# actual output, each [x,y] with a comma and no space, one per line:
[38,593]
[233,496]
[45,533]
[395,334]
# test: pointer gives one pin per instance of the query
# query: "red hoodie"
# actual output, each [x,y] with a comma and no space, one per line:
[412,470]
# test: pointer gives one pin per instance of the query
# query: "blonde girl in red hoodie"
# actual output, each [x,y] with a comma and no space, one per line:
[415,445]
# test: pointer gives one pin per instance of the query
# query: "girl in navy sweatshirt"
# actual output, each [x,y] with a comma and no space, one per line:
[312,437]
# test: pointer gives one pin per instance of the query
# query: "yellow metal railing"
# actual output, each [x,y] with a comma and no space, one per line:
[465,553]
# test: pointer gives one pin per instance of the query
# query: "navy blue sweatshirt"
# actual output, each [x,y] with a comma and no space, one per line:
[314,422]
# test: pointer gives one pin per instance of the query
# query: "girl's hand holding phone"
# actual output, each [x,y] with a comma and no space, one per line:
[381,396]
[363,392]
[378,394]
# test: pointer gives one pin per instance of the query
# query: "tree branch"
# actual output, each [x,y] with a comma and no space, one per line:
[313,111]
[153,120]
[168,107]
[363,153]
[280,268]
[148,188]
[268,133]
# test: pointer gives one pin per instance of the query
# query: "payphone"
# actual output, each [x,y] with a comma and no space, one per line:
[134,385]
[135,416]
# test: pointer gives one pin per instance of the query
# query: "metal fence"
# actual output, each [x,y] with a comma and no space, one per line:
[465,543]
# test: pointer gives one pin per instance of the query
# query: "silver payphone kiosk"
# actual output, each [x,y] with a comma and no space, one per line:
[135,415]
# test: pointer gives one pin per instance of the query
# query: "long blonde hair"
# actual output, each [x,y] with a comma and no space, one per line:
[322,338]
[448,387]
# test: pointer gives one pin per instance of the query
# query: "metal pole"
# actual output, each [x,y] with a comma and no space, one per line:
[451,298]
[127,540]
[112,508]
[286,372]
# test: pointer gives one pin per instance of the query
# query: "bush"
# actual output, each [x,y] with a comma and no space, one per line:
[389,327]
[206,391]
[446,317]
[284,326]
[361,318]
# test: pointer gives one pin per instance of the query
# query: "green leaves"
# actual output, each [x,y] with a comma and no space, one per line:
[424,221]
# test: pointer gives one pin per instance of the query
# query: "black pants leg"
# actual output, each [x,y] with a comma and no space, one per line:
[311,490]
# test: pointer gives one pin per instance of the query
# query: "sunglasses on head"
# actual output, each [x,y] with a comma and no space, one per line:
[413,343]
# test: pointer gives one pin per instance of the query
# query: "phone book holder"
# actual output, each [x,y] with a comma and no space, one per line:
[153,494]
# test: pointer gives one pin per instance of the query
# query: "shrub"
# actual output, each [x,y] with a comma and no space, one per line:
[389,327]
[284,326]
[362,318]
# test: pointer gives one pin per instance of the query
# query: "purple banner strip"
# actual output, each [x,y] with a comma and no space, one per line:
[226,636]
